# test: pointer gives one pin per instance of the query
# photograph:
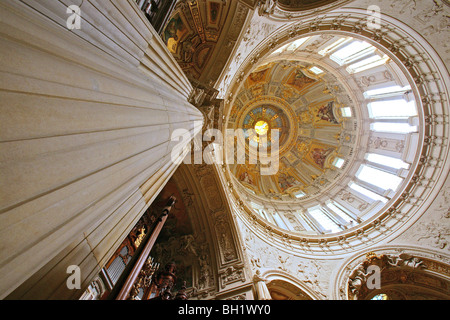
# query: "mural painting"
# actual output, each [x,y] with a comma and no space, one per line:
[246,177]
[175,242]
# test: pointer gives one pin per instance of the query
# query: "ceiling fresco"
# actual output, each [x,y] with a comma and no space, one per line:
[303,4]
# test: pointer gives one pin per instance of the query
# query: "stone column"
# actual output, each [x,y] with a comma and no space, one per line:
[86,118]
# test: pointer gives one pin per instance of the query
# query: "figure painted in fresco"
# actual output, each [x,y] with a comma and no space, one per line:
[187,51]
[325,113]
[272,194]
[319,155]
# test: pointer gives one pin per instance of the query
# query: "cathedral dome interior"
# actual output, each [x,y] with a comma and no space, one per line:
[303,4]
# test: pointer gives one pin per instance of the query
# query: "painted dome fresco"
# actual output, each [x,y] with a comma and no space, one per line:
[312,124]
[347,134]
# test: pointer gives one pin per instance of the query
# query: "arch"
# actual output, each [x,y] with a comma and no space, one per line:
[198,34]
[282,283]
[406,271]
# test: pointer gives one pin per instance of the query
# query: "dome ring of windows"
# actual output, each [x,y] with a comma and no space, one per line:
[390,109]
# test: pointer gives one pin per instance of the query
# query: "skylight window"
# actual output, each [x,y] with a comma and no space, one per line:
[394,127]
[334,45]
[369,63]
[350,49]
[367,193]
[297,43]
[381,296]
[279,221]
[279,50]
[339,212]
[300,194]
[398,108]
[379,178]
[256,206]
[387,161]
